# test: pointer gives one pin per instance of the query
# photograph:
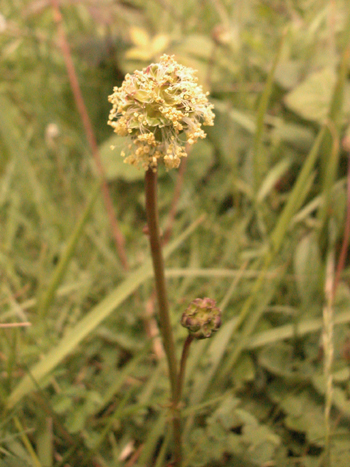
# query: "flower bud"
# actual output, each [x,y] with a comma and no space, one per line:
[202,318]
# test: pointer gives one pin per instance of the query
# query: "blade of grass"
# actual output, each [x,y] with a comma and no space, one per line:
[10,135]
[163,450]
[87,325]
[328,350]
[297,196]
[215,273]
[27,443]
[259,161]
[261,298]
[274,174]
[67,255]
[152,439]
[289,331]
[44,442]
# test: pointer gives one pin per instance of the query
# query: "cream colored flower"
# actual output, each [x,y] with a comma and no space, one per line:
[160,108]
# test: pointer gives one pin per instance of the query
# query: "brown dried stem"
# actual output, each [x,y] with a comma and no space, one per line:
[79,100]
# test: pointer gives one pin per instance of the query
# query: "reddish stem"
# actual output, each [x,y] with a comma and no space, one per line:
[79,100]
[345,244]
[181,377]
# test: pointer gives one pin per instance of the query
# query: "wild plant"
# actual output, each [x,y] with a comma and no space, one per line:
[160,109]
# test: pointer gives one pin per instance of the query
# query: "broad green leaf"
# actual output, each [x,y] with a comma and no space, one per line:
[298,136]
[312,98]
[113,163]
[139,53]
[340,451]
[194,52]
[244,369]
[288,73]
[305,414]
[279,360]
[241,118]
[159,43]
[139,36]
[194,45]
[199,160]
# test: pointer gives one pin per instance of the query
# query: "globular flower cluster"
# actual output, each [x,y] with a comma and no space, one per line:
[161,108]
[202,318]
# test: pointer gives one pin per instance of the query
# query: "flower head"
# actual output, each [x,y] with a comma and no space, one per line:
[161,108]
[202,318]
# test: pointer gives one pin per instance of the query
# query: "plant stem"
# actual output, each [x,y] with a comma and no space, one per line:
[90,135]
[164,316]
[185,353]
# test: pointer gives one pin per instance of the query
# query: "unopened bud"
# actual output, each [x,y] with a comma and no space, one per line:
[202,318]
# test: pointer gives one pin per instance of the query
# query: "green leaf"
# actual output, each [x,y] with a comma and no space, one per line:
[288,73]
[305,414]
[139,36]
[113,164]
[278,360]
[298,136]
[340,452]
[312,98]
[199,160]
[307,267]
[244,369]
[67,254]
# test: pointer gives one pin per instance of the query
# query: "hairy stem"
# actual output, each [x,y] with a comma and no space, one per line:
[164,316]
